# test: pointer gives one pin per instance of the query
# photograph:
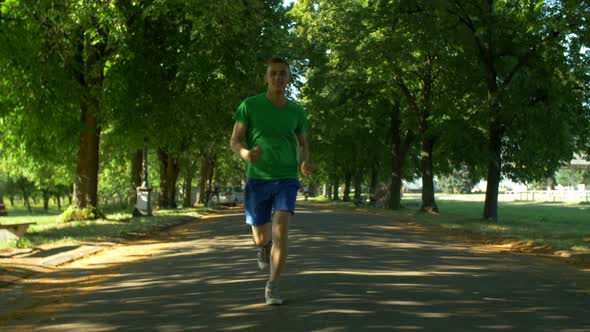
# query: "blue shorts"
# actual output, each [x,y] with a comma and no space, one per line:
[263,197]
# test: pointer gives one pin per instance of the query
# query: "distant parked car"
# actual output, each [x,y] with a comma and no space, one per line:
[231,195]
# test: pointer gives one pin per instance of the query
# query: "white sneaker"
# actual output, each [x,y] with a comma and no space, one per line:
[272,294]
[263,257]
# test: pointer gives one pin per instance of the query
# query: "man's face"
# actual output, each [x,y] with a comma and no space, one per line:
[277,76]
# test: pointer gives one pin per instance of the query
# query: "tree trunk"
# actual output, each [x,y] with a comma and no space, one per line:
[315,189]
[89,74]
[550,183]
[395,193]
[23,185]
[374,179]
[211,172]
[3,211]
[58,201]
[172,175]
[169,169]
[86,189]
[358,179]
[495,130]
[335,197]
[188,184]
[135,169]
[427,141]
[206,177]
[428,202]
[328,190]
[399,151]
[45,199]
[202,181]
[213,185]
[163,198]
[494,173]
[27,202]
[347,180]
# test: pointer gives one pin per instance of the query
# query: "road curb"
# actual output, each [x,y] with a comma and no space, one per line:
[72,255]
[17,269]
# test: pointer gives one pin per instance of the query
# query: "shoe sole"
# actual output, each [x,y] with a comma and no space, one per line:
[274,301]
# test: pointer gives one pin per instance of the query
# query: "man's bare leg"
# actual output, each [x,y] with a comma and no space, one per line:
[280,237]
[261,234]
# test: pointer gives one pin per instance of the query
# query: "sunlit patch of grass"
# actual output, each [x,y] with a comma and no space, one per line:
[118,224]
[581,248]
[495,228]
[119,216]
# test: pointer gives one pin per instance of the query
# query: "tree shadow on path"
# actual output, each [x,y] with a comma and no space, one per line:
[345,273]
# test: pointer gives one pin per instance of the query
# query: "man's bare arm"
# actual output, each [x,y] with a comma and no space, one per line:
[302,149]
[235,142]
[303,155]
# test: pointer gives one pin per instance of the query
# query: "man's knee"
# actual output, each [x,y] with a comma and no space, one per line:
[281,217]
[260,241]
[280,227]
[261,235]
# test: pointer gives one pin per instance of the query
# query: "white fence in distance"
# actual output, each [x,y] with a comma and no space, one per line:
[548,195]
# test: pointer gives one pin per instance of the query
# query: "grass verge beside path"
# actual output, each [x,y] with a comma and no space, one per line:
[118,225]
[540,226]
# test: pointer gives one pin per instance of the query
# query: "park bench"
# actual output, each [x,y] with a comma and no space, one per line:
[13,232]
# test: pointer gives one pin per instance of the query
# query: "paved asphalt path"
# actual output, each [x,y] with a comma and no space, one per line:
[345,272]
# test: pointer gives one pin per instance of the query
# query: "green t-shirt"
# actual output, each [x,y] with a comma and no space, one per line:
[274,130]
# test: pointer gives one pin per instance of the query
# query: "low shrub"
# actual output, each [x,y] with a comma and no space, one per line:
[23,242]
[75,214]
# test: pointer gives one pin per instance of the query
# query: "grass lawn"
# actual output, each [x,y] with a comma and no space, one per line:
[118,225]
[556,225]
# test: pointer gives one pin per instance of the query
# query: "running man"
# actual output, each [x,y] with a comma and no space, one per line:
[269,134]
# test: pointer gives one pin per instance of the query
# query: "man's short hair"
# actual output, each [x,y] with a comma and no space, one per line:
[278,59]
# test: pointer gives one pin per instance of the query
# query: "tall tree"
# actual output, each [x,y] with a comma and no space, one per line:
[61,51]
[524,69]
